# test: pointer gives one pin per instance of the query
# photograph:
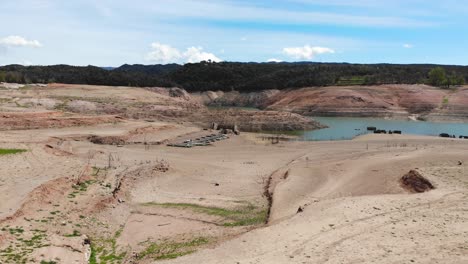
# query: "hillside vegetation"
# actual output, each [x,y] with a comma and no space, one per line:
[243,77]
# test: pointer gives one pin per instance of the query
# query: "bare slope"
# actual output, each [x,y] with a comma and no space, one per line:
[353,209]
[374,101]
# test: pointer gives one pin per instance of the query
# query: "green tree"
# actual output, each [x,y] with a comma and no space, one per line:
[2,76]
[437,77]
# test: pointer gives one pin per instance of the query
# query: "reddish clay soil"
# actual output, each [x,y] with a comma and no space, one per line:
[37,120]
[385,100]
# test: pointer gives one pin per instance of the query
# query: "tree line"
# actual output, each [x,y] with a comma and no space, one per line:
[227,76]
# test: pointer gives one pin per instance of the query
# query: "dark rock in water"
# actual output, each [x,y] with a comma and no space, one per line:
[371,128]
[444,135]
[397,132]
[380,131]
[415,182]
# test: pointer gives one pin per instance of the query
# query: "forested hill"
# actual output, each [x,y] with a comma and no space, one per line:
[232,75]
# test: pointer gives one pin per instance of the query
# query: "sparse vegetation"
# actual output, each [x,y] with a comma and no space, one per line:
[48,262]
[80,188]
[11,151]
[445,101]
[18,251]
[241,216]
[105,251]
[170,249]
[75,233]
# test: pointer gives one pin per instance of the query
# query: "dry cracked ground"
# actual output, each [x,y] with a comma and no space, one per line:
[95,188]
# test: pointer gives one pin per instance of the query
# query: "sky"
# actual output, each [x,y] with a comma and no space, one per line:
[115,32]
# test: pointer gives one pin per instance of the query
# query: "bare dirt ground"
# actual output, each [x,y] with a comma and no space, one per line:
[129,198]
[353,209]
[60,105]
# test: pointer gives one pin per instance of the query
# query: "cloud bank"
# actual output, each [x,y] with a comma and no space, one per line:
[274,60]
[162,53]
[306,53]
[17,41]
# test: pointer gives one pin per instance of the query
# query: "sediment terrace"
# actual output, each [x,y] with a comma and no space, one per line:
[399,101]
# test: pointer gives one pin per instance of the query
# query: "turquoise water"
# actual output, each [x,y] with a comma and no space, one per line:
[341,128]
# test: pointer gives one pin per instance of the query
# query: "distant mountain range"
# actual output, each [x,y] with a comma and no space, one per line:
[229,76]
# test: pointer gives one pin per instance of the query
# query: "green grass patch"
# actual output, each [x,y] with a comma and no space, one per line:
[15,231]
[75,233]
[80,188]
[19,251]
[445,101]
[11,151]
[83,186]
[105,251]
[241,216]
[170,249]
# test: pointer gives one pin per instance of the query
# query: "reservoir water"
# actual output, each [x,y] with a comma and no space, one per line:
[341,128]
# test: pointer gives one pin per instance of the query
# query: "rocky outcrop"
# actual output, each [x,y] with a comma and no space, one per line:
[256,121]
[413,181]
[174,92]
[234,98]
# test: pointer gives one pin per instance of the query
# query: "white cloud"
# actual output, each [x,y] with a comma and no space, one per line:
[306,52]
[274,60]
[196,54]
[408,46]
[17,41]
[164,54]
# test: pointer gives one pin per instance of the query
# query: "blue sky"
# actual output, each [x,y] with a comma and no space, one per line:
[114,32]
